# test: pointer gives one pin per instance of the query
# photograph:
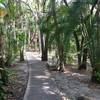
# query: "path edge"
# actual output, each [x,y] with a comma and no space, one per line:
[28,68]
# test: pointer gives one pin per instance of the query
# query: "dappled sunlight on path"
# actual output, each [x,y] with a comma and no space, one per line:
[40,85]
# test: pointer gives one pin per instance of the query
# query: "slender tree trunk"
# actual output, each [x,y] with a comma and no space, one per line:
[44,47]
[3,73]
[83,64]
[1,44]
[78,48]
[61,57]
[22,54]
[44,55]
[96,68]
[82,57]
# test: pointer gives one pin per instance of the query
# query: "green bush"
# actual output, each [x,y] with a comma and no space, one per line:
[4,76]
[97,76]
[2,92]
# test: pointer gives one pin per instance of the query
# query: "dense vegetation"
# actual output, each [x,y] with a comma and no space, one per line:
[71,29]
[66,24]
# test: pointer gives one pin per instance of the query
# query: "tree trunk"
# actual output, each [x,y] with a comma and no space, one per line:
[44,55]
[3,73]
[96,68]
[61,57]
[44,47]
[83,64]
[22,55]
[96,74]
[78,48]
[82,57]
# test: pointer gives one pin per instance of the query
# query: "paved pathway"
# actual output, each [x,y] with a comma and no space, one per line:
[40,85]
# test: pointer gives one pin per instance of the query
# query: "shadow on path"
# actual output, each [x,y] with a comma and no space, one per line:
[40,85]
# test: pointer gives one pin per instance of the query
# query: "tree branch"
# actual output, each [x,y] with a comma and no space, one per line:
[66,3]
[94,4]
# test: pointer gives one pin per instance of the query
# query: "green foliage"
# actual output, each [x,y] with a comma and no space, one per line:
[4,76]
[97,76]
[21,39]
[2,92]
[6,73]
[2,1]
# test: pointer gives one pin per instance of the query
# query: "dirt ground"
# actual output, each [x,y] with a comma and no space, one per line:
[74,84]
[17,84]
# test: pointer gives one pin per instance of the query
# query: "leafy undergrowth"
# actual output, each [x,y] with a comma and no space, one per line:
[16,86]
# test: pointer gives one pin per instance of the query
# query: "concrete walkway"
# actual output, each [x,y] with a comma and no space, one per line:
[40,85]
